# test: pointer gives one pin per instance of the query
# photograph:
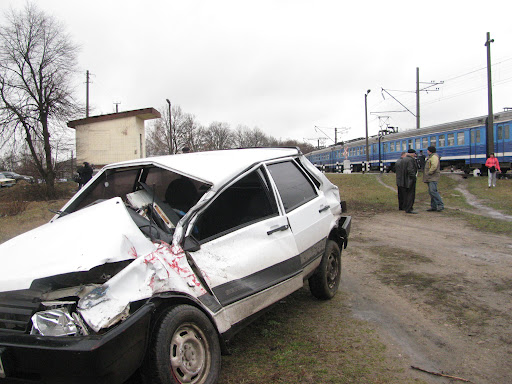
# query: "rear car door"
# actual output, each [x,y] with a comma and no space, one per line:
[307,210]
[247,251]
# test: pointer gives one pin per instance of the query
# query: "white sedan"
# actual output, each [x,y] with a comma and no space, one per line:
[156,263]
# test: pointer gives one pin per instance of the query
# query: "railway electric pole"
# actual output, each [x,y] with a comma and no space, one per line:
[87,93]
[417,98]
[366,124]
[489,135]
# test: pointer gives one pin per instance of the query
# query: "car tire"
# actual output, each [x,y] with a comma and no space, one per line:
[184,349]
[325,281]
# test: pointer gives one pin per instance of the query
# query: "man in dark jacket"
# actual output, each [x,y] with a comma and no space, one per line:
[409,172]
[400,181]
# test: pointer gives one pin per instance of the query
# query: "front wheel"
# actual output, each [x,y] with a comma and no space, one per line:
[325,281]
[185,348]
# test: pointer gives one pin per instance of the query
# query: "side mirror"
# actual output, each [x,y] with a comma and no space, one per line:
[190,244]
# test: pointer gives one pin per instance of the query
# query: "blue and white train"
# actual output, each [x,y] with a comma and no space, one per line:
[460,144]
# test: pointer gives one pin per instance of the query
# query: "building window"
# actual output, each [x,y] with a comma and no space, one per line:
[451,139]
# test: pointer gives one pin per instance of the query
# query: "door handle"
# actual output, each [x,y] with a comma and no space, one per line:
[281,228]
[323,209]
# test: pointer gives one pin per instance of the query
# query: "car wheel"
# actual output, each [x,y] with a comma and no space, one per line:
[325,281]
[184,349]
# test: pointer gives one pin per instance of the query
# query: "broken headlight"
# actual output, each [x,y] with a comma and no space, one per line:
[58,321]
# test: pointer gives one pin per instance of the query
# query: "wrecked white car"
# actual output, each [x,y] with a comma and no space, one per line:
[156,263]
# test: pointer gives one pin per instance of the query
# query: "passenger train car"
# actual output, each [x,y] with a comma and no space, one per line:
[460,144]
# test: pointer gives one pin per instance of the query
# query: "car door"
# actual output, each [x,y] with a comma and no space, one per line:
[247,253]
[306,208]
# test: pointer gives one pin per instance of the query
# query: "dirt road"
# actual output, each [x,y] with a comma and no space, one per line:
[438,291]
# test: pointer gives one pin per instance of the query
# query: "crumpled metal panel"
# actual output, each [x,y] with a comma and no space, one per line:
[93,236]
[164,269]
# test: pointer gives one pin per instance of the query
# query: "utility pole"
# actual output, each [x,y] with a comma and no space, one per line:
[87,93]
[489,136]
[366,124]
[417,98]
[170,129]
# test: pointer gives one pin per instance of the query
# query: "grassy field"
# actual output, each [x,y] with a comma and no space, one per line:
[364,193]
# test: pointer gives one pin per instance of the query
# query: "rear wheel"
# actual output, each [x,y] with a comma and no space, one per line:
[185,348]
[325,281]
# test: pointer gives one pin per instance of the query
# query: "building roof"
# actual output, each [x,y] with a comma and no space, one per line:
[144,114]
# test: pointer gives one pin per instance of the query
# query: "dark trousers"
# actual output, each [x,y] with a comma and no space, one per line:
[401,194]
[409,197]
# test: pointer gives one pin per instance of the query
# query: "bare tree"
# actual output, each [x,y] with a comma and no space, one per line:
[37,64]
[217,136]
[184,133]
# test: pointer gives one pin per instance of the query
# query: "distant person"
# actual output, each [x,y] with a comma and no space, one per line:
[421,161]
[431,176]
[493,166]
[84,174]
[400,181]
[409,174]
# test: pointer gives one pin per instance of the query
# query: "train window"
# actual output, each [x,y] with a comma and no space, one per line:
[385,147]
[392,147]
[503,132]
[433,141]
[451,139]
[460,138]
[442,139]
[424,142]
[404,145]
[417,146]
[475,136]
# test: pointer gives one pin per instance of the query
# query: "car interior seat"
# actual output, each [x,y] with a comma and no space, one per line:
[181,194]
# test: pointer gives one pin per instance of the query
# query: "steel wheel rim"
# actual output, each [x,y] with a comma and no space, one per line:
[332,270]
[189,357]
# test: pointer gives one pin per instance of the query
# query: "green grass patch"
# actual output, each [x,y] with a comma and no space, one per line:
[364,193]
[499,198]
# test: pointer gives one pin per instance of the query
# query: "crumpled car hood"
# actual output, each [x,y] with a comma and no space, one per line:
[102,233]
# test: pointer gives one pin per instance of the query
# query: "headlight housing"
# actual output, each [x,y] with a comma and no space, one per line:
[58,321]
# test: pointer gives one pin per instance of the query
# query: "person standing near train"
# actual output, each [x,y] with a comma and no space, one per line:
[493,166]
[400,186]
[409,173]
[431,176]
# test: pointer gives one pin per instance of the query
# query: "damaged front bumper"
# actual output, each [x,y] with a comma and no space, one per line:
[111,357]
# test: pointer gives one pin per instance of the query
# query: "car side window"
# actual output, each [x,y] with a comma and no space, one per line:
[247,201]
[294,187]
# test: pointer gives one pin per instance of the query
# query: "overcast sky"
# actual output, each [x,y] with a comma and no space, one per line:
[288,66]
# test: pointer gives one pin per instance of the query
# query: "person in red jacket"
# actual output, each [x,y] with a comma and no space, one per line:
[493,166]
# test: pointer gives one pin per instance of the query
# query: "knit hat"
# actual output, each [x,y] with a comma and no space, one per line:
[432,149]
